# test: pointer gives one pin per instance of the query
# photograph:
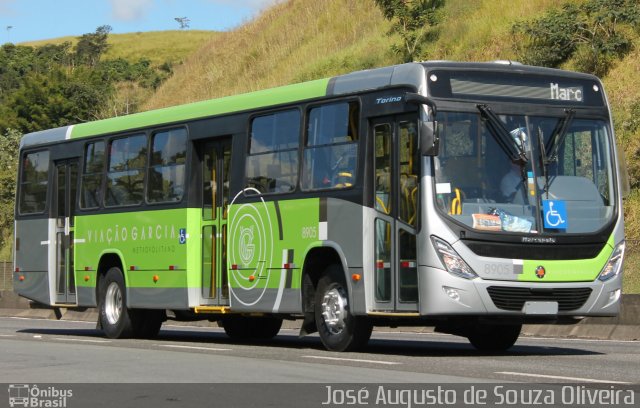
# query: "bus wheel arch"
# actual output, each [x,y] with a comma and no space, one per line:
[107,261]
[115,318]
[316,261]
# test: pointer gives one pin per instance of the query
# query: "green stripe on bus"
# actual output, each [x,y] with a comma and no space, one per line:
[253,100]
[577,270]
[147,243]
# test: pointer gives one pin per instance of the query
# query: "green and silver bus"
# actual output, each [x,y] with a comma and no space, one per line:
[471,197]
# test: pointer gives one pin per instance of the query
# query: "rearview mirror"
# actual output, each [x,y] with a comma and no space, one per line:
[428,126]
[429,139]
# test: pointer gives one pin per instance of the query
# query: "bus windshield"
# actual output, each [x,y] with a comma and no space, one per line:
[527,174]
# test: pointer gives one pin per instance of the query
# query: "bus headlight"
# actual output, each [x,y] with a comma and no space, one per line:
[614,264]
[454,264]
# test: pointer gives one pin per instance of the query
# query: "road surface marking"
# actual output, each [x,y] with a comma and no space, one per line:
[7,335]
[584,340]
[193,347]
[82,340]
[353,359]
[557,377]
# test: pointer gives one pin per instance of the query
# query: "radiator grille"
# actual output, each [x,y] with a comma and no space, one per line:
[568,299]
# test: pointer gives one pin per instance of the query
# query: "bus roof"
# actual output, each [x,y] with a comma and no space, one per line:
[410,75]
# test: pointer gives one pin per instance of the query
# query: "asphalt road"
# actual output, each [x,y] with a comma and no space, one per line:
[35,351]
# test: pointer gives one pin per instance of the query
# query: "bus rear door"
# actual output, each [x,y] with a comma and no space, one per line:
[64,202]
[216,156]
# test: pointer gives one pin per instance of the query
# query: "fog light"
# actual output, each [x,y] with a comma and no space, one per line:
[614,296]
[452,293]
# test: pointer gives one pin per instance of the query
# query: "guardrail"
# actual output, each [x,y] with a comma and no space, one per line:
[6,280]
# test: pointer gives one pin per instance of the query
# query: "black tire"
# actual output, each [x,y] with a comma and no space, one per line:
[114,317]
[339,330]
[251,328]
[493,337]
[147,323]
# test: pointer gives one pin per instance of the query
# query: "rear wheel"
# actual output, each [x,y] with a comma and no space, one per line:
[115,318]
[493,337]
[251,328]
[339,329]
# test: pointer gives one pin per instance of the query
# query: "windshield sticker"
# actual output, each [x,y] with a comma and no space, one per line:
[512,223]
[531,183]
[443,188]
[486,222]
[555,214]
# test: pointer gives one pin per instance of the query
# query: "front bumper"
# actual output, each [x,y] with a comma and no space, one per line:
[443,294]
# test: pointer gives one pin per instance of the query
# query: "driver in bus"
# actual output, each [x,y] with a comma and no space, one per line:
[512,185]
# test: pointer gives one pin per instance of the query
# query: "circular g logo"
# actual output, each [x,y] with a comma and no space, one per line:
[246,246]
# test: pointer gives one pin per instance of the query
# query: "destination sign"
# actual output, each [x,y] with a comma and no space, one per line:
[514,86]
[552,90]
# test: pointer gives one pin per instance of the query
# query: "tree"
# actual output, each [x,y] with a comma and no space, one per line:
[92,46]
[183,21]
[410,20]
[9,145]
[593,35]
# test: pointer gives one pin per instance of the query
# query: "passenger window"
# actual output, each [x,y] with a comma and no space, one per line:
[331,151]
[272,164]
[409,172]
[125,173]
[91,184]
[383,168]
[167,166]
[34,182]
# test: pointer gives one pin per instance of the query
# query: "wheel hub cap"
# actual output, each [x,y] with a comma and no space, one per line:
[334,305]
[113,303]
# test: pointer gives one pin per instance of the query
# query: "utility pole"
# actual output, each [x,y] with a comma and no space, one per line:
[9,33]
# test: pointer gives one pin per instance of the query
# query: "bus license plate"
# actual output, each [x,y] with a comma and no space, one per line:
[540,308]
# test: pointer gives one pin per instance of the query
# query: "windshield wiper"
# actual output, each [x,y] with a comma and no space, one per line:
[553,145]
[544,163]
[558,135]
[507,143]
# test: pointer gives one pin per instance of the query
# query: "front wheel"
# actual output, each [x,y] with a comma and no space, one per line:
[494,338]
[339,329]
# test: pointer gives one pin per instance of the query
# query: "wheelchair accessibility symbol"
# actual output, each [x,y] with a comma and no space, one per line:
[555,214]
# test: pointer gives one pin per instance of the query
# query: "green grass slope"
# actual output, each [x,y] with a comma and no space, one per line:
[171,46]
[291,42]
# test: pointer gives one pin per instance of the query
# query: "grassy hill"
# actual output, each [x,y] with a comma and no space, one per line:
[291,42]
[157,46]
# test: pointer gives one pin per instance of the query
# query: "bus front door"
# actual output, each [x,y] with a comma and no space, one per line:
[64,201]
[216,159]
[396,180]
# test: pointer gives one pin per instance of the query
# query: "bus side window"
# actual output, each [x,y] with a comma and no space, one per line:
[331,151]
[34,179]
[125,173]
[167,166]
[92,169]
[272,164]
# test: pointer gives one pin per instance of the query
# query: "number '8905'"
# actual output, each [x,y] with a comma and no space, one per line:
[309,232]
